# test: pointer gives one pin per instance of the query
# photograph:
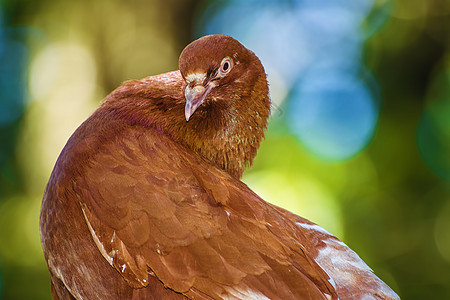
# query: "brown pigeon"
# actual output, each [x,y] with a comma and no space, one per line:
[145,200]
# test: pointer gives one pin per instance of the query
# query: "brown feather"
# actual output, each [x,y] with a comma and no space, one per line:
[144,205]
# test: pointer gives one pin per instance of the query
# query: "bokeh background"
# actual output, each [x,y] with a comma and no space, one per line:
[358,141]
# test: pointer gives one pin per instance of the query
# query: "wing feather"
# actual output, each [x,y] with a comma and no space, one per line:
[154,208]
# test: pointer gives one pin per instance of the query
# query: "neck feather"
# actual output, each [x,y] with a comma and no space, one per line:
[225,133]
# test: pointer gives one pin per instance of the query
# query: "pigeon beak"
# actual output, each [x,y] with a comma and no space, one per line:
[195,96]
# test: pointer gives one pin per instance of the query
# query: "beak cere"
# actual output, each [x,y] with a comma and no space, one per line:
[195,96]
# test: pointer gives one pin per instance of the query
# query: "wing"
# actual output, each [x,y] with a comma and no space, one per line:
[155,209]
[351,276]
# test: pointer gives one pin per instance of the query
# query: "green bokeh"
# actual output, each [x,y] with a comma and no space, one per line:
[388,202]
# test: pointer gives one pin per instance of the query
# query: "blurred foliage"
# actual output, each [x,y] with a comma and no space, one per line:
[389,200]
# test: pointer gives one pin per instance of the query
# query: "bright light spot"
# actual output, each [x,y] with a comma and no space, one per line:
[333,114]
[278,88]
[63,86]
[301,195]
[61,69]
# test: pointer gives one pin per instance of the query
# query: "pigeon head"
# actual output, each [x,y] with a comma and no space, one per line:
[219,69]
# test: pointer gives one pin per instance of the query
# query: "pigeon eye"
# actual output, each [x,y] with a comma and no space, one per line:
[225,66]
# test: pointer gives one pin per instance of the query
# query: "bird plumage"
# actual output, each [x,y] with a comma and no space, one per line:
[143,204]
